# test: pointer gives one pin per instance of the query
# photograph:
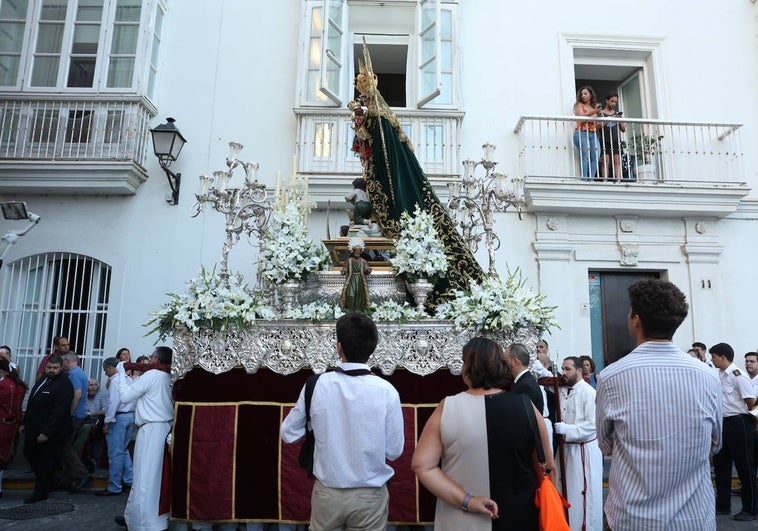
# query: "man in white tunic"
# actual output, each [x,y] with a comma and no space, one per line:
[153,414]
[584,462]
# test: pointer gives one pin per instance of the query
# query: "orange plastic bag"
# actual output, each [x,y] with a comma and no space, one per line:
[552,507]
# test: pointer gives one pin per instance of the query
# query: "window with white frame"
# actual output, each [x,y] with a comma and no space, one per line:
[79,45]
[412,45]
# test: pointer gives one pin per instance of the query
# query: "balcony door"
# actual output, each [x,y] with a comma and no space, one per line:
[609,309]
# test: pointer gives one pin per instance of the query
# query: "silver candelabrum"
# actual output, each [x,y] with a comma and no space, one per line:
[246,209]
[474,199]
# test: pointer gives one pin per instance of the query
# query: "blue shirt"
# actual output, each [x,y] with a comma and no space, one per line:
[80,381]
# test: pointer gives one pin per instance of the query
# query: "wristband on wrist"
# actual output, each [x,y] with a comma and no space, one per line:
[466,501]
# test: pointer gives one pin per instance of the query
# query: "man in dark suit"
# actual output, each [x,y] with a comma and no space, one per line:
[524,382]
[47,424]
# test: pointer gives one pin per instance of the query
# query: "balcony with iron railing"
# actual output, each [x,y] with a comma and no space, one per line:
[65,144]
[655,167]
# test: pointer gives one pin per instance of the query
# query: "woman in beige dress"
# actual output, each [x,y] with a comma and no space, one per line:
[477,451]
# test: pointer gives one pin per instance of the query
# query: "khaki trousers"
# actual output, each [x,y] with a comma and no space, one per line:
[364,509]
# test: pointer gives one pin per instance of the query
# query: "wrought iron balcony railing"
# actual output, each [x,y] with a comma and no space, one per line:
[47,142]
[649,151]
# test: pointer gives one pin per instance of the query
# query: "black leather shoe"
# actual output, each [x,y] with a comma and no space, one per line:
[107,492]
[35,498]
[126,487]
[79,485]
[743,516]
[723,511]
[120,521]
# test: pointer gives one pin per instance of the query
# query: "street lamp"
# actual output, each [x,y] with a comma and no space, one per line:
[15,211]
[167,144]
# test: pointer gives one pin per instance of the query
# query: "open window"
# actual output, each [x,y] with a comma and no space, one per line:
[412,47]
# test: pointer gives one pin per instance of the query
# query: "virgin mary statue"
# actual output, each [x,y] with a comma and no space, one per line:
[395,182]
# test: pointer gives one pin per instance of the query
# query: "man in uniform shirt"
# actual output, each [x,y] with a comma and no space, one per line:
[659,416]
[751,366]
[738,397]
[357,424]
[584,462]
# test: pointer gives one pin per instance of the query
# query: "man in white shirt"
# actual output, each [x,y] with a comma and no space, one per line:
[153,414]
[751,366]
[118,428]
[659,418]
[584,462]
[738,398]
[357,423]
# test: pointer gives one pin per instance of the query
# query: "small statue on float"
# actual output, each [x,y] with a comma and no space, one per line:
[361,223]
[355,297]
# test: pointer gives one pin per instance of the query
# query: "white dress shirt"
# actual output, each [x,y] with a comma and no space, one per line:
[735,388]
[357,424]
[114,404]
[151,394]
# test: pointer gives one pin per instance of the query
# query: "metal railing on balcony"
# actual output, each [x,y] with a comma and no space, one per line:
[325,138]
[74,128]
[629,150]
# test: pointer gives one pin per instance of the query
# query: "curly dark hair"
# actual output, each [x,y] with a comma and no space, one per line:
[359,183]
[660,305]
[484,364]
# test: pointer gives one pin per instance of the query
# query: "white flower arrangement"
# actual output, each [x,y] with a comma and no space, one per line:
[419,253]
[286,251]
[316,311]
[389,310]
[499,305]
[208,303]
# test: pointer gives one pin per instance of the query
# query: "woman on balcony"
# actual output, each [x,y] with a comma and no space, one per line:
[585,137]
[396,183]
[610,134]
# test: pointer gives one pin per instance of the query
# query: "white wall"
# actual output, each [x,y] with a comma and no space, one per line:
[228,71]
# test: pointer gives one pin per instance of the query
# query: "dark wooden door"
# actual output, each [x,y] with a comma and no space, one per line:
[614,299]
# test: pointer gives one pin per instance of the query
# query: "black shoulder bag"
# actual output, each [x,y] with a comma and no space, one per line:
[305,460]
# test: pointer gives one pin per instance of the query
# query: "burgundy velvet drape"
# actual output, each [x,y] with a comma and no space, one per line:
[229,464]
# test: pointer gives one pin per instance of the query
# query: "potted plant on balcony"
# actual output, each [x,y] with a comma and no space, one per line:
[645,148]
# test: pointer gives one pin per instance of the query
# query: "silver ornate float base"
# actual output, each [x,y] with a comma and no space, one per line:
[288,346]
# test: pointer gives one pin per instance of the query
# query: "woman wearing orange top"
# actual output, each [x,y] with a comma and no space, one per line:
[585,137]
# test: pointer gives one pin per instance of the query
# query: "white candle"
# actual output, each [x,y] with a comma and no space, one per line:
[276,190]
[488,149]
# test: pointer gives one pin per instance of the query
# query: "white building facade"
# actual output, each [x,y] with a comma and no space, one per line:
[83,81]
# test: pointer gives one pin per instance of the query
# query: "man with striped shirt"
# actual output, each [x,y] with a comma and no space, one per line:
[659,416]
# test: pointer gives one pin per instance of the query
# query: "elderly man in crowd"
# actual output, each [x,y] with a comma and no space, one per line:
[73,468]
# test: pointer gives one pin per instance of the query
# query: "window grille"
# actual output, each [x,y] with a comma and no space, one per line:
[54,294]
